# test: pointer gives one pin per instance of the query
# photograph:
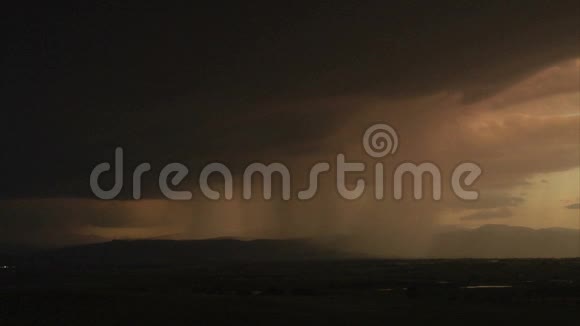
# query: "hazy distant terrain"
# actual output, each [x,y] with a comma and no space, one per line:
[488,241]
[501,241]
[185,252]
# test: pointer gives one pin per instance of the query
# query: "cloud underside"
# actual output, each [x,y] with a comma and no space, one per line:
[488,214]
[573,206]
[524,136]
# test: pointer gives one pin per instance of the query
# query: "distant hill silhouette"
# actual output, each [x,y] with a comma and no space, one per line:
[489,241]
[183,252]
[502,241]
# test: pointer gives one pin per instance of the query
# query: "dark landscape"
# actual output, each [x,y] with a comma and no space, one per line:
[284,282]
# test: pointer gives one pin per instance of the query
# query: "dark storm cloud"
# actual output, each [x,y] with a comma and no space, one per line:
[493,200]
[227,82]
[573,206]
[490,206]
[488,214]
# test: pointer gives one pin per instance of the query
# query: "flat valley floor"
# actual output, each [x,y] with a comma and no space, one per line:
[318,292]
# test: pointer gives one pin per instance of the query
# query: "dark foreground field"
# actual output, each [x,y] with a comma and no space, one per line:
[335,292]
